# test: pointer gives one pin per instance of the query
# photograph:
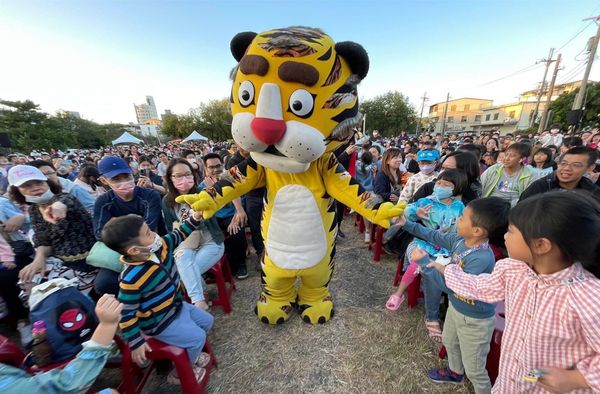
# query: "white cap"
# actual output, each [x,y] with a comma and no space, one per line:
[20,174]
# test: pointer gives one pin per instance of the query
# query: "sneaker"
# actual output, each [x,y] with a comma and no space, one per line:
[367,237]
[25,331]
[445,375]
[242,272]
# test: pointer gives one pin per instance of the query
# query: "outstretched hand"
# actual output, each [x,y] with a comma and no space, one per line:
[386,211]
[199,202]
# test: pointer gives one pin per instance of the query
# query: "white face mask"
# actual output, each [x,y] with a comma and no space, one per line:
[157,244]
[43,199]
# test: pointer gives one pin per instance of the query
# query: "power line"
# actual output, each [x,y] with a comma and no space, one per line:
[572,75]
[526,69]
[580,31]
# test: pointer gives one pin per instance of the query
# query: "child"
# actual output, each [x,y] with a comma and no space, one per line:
[551,288]
[427,160]
[78,375]
[469,324]
[438,211]
[151,290]
[365,169]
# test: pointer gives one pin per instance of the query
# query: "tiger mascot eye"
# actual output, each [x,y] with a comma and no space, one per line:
[293,101]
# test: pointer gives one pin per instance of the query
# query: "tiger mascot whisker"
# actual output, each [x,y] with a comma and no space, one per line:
[294,100]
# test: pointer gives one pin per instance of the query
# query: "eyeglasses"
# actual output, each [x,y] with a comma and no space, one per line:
[573,166]
[215,167]
[50,173]
[183,176]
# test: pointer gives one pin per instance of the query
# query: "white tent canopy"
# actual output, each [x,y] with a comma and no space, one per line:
[127,139]
[195,136]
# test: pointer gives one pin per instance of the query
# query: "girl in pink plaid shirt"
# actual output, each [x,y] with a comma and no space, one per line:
[551,288]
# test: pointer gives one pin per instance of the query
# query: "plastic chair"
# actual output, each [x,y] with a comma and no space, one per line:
[359,222]
[10,353]
[134,378]
[223,278]
[413,292]
[376,243]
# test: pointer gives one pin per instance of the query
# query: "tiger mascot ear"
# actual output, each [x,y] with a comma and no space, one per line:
[356,56]
[240,42]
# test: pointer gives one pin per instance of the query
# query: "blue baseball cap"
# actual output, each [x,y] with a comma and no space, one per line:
[428,155]
[111,166]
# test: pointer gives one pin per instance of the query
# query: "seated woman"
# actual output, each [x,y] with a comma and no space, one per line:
[62,228]
[204,248]
[388,181]
[89,179]
[14,227]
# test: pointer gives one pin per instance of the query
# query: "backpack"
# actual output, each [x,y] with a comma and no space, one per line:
[70,320]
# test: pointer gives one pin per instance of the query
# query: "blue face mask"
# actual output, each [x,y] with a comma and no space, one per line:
[442,192]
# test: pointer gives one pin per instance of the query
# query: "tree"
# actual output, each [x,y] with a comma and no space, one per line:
[389,113]
[563,104]
[215,119]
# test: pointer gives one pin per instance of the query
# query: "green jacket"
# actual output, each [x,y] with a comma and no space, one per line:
[211,224]
[491,177]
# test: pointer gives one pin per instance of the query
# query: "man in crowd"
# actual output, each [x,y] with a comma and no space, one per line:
[570,175]
[124,198]
[510,178]
[231,218]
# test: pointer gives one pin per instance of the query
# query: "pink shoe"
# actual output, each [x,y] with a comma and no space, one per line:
[394,302]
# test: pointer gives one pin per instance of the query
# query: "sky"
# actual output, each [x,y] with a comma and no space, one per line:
[100,57]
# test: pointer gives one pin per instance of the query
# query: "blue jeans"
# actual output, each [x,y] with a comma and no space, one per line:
[432,293]
[192,263]
[188,330]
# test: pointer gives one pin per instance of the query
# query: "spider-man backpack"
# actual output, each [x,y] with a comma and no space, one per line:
[70,320]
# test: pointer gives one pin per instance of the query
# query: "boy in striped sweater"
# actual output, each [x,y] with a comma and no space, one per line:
[151,290]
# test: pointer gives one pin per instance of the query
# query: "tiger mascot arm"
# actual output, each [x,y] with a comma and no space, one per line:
[236,182]
[341,186]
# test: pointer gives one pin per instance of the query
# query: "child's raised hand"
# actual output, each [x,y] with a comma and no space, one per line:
[423,212]
[197,215]
[417,254]
[437,266]
[108,309]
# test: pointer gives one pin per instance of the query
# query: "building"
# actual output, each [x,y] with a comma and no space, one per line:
[145,130]
[165,115]
[68,114]
[532,95]
[508,118]
[146,111]
[464,114]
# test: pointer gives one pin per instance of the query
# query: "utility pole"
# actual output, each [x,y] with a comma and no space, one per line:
[549,96]
[445,113]
[548,61]
[578,103]
[424,98]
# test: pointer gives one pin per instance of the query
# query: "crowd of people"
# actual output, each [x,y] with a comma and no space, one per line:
[109,219]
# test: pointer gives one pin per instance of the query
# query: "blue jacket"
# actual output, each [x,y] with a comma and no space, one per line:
[441,216]
[145,203]
[479,261]
[364,178]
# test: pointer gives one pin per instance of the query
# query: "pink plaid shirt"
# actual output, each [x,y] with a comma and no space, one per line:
[551,320]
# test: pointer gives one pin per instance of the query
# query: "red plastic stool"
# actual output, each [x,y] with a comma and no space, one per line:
[10,353]
[376,241]
[225,284]
[134,378]
[414,289]
[359,222]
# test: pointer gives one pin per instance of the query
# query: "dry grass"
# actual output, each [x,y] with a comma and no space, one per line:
[364,348]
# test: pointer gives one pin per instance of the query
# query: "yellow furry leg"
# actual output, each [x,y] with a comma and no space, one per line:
[277,300]
[314,300]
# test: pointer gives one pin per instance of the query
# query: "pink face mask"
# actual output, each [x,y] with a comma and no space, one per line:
[123,187]
[184,184]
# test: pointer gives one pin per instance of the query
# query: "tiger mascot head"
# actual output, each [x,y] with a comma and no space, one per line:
[294,95]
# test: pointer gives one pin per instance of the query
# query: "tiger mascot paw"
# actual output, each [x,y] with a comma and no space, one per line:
[273,312]
[386,211]
[200,202]
[317,312]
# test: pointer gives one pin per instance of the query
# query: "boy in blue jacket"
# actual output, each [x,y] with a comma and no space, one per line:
[469,324]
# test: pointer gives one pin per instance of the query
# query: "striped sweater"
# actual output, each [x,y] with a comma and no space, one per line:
[151,291]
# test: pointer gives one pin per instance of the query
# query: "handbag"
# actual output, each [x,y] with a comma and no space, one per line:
[101,256]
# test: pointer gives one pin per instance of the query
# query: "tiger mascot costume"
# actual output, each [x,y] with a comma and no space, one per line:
[294,101]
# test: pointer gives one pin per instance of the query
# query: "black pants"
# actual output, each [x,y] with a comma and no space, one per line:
[339,212]
[235,245]
[254,208]
[106,282]
[9,290]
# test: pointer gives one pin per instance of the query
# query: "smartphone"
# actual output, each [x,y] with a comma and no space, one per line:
[144,172]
